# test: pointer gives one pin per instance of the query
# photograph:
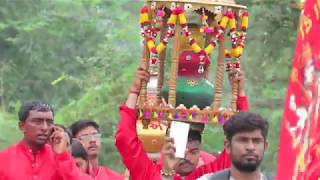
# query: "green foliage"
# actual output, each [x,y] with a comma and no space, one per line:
[77,55]
[9,130]
[81,55]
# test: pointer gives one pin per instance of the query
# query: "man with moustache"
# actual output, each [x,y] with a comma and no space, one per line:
[88,133]
[136,159]
[246,135]
[42,152]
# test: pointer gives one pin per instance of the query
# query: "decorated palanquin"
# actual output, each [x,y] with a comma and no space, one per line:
[194,29]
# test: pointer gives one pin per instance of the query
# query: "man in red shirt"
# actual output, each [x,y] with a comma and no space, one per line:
[131,149]
[205,158]
[88,133]
[246,135]
[32,158]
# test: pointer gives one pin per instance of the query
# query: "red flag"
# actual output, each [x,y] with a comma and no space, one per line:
[299,152]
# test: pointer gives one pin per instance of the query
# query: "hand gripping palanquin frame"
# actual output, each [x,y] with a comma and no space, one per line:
[219,21]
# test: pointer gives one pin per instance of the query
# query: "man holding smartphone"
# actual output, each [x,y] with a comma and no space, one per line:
[131,148]
[42,152]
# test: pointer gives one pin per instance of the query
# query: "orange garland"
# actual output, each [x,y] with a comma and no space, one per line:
[178,13]
[237,38]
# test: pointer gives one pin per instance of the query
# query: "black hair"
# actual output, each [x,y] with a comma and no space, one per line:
[194,135]
[197,126]
[78,151]
[35,105]
[67,131]
[82,124]
[245,121]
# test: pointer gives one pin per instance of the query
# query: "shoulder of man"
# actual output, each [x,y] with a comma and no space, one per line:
[207,157]
[8,150]
[220,175]
[7,157]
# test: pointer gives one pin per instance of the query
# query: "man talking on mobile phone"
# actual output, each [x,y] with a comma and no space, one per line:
[42,152]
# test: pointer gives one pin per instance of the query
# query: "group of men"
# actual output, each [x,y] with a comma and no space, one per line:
[48,151]
[45,151]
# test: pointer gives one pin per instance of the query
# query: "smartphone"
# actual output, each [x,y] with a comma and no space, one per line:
[179,132]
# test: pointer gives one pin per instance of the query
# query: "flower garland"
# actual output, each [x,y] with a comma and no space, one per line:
[151,32]
[194,45]
[237,40]
[205,29]
[178,13]
[181,113]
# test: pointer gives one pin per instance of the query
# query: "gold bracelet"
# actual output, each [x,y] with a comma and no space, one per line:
[168,174]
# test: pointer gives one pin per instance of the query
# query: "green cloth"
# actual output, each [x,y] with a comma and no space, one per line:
[192,91]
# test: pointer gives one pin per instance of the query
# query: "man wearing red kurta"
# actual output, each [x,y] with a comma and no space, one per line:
[32,158]
[20,162]
[131,149]
[88,133]
[205,158]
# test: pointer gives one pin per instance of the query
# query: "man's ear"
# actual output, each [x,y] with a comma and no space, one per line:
[21,125]
[227,145]
[266,145]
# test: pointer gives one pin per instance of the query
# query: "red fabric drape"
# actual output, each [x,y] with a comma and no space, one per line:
[299,152]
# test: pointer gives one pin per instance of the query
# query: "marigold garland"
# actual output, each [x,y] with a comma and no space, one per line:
[151,32]
[237,39]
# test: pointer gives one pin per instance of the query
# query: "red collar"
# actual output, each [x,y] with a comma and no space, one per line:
[28,151]
[95,169]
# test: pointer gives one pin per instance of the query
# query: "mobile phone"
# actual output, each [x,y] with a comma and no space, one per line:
[179,132]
